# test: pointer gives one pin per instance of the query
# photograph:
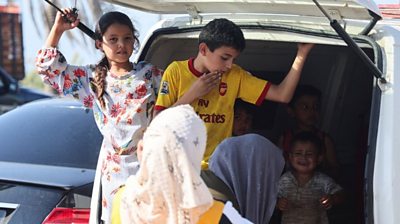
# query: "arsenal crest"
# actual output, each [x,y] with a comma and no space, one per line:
[222,88]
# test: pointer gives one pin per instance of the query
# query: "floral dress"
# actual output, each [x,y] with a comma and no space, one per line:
[129,102]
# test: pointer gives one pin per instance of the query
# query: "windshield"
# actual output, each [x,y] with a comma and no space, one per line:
[61,136]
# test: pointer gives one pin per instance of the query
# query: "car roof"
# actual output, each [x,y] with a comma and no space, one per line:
[47,137]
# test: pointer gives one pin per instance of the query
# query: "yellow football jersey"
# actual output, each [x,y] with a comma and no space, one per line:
[215,108]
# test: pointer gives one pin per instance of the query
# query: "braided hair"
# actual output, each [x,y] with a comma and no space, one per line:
[108,19]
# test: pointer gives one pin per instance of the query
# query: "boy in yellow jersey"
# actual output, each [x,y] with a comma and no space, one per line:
[211,82]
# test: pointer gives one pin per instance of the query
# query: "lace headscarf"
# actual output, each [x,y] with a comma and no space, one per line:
[168,188]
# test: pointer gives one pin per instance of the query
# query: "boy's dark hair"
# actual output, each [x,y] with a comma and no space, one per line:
[304,90]
[307,136]
[222,32]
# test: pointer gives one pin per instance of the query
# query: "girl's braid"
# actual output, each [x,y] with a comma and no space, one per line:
[99,82]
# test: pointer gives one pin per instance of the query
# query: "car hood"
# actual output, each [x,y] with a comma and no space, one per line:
[33,94]
[56,176]
[344,9]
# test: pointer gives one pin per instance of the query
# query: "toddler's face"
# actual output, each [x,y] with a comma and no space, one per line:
[221,59]
[306,110]
[118,43]
[304,157]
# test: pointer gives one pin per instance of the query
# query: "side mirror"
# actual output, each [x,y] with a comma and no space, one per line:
[3,87]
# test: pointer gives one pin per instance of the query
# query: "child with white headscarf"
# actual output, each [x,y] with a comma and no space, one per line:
[167,188]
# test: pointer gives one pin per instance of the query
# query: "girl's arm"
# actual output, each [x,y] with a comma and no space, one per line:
[54,69]
[62,23]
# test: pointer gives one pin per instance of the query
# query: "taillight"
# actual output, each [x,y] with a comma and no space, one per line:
[68,215]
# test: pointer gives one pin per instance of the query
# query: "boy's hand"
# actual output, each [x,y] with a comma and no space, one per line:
[304,48]
[200,87]
[205,84]
[326,201]
[282,204]
[67,21]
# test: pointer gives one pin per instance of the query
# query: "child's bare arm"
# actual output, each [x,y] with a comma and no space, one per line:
[282,204]
[284,91]
[330,153]
[61,24]
[328,201]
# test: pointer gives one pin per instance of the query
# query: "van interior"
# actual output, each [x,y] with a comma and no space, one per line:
[345,82]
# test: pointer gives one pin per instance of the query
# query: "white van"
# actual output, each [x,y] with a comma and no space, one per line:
[359,84]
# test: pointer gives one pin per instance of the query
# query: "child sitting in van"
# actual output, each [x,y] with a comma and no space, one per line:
[304,107]
[211,82]
[167,188]
[304,194]
[243,118]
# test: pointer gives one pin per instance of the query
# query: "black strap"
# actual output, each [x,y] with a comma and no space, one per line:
[219,190]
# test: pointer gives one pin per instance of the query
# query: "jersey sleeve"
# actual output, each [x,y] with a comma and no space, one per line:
[252,89]
[64,78]
[168,92]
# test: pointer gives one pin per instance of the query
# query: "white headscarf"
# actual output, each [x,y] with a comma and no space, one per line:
[251,166]
[168,188]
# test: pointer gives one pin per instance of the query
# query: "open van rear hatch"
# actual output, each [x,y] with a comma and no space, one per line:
[334,10]
[346,9]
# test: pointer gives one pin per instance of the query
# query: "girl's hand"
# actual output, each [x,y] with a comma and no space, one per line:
[205,84]
[326,201]
[282,204]
[67,21]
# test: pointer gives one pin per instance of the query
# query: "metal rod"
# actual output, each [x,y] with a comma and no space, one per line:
[322,10]
[81,26]
[352,44]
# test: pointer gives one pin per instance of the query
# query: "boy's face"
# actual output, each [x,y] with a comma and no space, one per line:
[304,157]
[221,59]
[306,110]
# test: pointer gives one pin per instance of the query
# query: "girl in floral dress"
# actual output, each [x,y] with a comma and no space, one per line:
[121,94]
